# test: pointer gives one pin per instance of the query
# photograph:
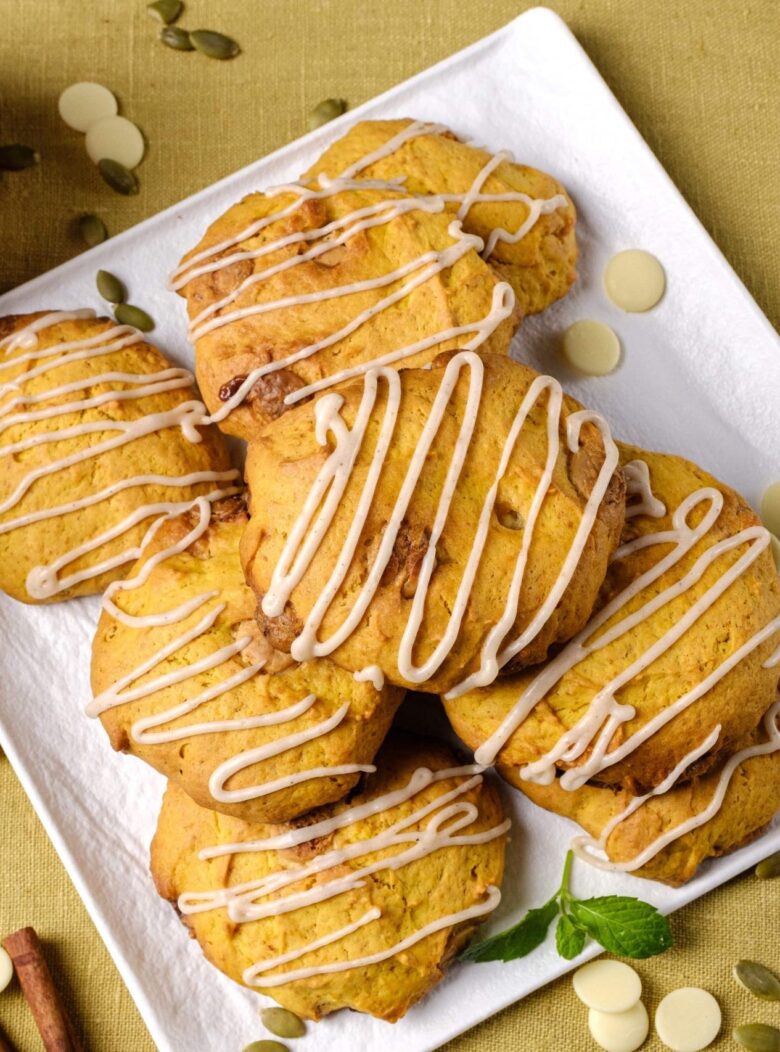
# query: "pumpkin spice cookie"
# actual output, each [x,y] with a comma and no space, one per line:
[524,217]
[438,524]
[677,662]
[184,681]
[100,435]
[667,837]
[297,289]
[359,905]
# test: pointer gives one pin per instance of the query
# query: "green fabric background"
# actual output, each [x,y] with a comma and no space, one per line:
[700,80]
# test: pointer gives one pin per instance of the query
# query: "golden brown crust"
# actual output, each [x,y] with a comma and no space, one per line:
[751,801]
[451,879]
[285,459]
[211,564]
[540,267]
[737,702]
[456,296]
[163,452]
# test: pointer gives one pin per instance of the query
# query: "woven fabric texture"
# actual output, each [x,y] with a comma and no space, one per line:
[699,79]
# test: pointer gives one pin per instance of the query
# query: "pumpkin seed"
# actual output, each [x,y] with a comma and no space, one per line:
[109,287]
[769,867]
[758,980]
[282,1023]
[178,39]
[127,314]
[757,1037]
[16,156]
[325,111]
[117,176]
[266,1046]
[92,229]
[215,45]
[165,11]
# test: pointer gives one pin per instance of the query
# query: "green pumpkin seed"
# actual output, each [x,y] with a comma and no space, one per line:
[127,314]
[165,11]
[215,45]
[266,1046]
[16,156]
[758,980]
[109,287]
[118,177]
[325,111]
[769,867]
[282,1023]
[92,229]
[757,1037]
[178,39]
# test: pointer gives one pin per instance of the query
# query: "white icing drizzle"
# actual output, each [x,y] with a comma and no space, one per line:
[327,489]
[420,779]
[44,582]
[251,974]
[424,267]
[372,674]
[593,733]
[270,896]
[146,730]
[594,850]
[536,208]
[189,268]
[411,131]
[605,714]
[637,476]
[361,219]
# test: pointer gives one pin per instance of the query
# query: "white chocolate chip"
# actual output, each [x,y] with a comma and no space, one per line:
[607,986]
[591,347]
[634,280]
[117,139]
[688,1019]
[6,969]
[619,1031]
[82,104]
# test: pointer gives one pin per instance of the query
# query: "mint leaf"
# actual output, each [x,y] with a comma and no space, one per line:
[569,939]
[625,926]
[517,941]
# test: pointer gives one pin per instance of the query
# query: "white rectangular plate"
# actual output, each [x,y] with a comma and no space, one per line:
[700,376]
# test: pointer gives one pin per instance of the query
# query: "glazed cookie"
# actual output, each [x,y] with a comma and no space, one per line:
[184,681]
[294,290]
[99,435]
[667,837]
[524,217]
[675,670]
[438,524]
[348,908]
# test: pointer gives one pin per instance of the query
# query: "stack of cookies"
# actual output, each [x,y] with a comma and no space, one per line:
[421,512]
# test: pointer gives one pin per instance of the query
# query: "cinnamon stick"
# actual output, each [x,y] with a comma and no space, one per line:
[41,994]
[5,1044]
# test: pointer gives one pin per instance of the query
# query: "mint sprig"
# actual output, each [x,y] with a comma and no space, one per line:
[621,924]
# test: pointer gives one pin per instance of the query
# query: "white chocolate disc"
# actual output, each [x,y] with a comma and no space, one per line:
[619,1031]
[770,508]
[6,969]
[82,104]
[591,347]
[688,1019]
[634,280]
[117,139]
[607,986]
